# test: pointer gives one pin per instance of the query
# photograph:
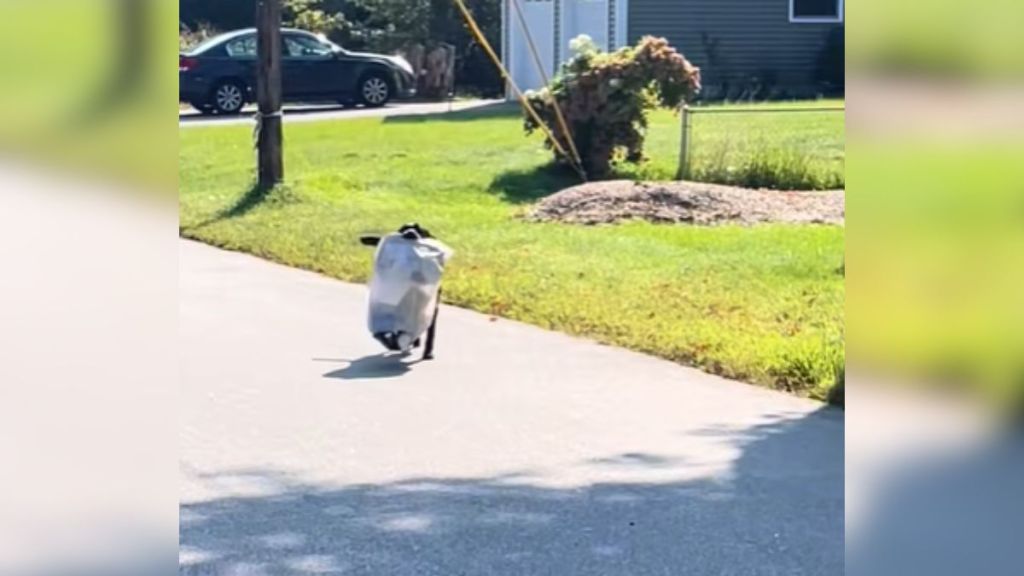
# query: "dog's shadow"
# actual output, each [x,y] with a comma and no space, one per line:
[388,365]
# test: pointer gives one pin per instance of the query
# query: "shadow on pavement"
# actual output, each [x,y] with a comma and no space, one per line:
[957,512]
[376,366]
[190,115]
[779,511]
[389,113]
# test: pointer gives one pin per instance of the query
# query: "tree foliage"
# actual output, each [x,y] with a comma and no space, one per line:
[605,97]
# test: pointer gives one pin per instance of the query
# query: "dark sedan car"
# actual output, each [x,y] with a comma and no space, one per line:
[219,75]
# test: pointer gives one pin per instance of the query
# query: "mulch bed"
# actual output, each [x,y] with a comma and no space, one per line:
[688,202]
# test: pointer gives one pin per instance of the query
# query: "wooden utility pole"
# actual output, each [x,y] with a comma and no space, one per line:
[268,92]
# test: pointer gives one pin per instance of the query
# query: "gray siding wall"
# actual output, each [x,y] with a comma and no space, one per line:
[734,41]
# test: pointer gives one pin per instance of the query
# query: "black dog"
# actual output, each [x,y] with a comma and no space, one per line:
[410,231]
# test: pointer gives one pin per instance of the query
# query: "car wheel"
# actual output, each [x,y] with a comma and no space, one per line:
[228,97]
[374,90]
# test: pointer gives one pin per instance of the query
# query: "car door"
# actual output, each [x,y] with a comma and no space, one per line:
[238,59]
[311,68]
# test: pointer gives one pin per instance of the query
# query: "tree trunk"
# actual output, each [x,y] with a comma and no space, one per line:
[268,93]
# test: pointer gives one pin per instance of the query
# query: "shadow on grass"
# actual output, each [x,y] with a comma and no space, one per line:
[485,112]
[525,186]
[253,197]
[779,510]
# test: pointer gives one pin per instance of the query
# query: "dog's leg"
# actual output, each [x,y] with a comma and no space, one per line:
[428,351]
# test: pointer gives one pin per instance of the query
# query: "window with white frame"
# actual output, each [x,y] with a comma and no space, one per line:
[815,10]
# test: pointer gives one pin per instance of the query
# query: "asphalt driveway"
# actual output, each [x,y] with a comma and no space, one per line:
[516,451]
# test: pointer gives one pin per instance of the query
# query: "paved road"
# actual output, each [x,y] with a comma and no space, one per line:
[310,113]
[517,451]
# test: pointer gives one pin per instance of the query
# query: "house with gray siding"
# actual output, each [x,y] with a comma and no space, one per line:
[745,48]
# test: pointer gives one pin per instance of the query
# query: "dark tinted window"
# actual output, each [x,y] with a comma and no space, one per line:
[244,47]
[304,46]
[815,8]
[206,44]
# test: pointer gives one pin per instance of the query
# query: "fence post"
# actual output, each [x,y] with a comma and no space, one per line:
[683,172]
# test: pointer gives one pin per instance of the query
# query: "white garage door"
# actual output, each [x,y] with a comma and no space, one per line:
[539,16]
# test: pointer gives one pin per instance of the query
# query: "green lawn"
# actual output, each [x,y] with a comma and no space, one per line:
[762,304]
[796,150]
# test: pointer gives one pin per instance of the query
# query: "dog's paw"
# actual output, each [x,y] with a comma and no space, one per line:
[404,342]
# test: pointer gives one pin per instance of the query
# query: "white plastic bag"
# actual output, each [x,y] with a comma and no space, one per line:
[404,288]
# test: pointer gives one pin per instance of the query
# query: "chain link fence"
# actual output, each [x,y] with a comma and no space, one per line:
[782,147]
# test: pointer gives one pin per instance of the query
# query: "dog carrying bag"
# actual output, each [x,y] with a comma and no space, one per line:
[404,288]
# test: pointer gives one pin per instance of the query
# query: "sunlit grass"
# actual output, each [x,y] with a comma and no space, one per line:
[763,304]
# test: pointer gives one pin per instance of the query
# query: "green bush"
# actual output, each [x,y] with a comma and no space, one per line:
[190,38]
[605,98]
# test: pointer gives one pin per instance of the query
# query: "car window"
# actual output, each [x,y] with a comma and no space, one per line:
[244,47]
[305,47]
[205,45]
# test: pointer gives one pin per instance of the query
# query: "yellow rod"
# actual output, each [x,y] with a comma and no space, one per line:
[479,35]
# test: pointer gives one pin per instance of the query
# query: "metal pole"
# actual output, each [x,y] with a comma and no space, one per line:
[683,172]
[268,93]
